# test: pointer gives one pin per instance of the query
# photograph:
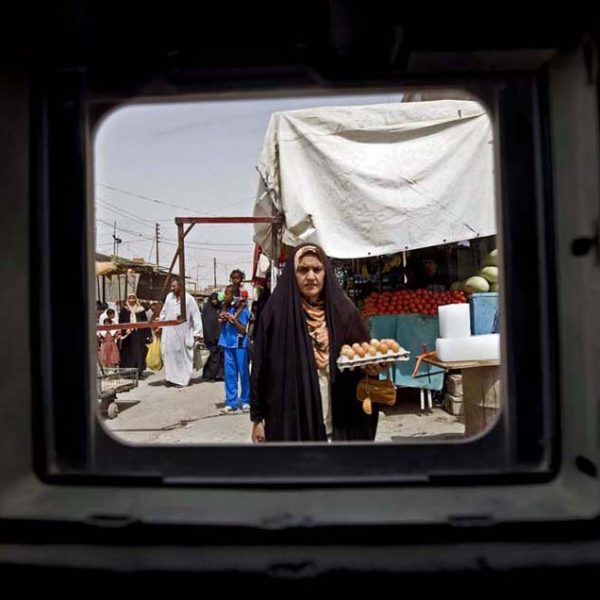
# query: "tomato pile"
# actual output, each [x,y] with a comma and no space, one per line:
[401,302]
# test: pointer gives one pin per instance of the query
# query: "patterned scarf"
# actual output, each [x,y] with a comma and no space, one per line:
[317,329]
[315,318]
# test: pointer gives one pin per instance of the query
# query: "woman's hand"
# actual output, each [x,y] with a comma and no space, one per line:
[258,432]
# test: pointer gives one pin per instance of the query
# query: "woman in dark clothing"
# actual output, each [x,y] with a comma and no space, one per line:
[298,393]
[263,298]
[133,341]
[213,369]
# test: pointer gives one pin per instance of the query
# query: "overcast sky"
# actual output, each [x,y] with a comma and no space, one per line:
[191,159]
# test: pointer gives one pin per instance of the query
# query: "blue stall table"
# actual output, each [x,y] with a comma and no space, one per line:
[411,332]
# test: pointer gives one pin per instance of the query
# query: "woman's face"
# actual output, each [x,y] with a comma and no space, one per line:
[131,300]
[310,276]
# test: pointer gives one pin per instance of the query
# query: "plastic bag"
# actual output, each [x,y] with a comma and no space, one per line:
[198,358]
[154,357]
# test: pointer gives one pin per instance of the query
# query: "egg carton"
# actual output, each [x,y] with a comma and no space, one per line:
[343,362]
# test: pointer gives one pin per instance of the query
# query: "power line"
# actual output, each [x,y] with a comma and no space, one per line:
[150,253]
[196,246]
[122,212]
[122,241]
[124,229]
[190,244]
[155,200]
[234,204]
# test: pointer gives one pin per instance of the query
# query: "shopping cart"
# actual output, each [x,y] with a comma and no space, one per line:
[110,382]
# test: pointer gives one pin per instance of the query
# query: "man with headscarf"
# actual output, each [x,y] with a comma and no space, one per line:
[213,369]
[133,341]
[177,341]
[298,393]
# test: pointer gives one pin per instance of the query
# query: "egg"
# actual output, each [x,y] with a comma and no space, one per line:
[346,347]
[374,342]
[356,347]
[395,346]
[372,351]
[365,345]
[348,353]
[361,352]
[383,348]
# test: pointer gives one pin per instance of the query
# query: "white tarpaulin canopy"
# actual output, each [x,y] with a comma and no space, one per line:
[371,180]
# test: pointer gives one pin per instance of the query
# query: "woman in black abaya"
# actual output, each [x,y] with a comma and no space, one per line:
[298,393]
[133,341]
[213,369]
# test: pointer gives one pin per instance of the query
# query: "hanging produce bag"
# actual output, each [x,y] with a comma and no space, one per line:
[154,357]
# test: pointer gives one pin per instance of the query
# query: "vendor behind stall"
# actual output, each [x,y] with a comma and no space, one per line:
[425,272]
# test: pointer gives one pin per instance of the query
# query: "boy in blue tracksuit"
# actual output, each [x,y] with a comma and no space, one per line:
[235,344]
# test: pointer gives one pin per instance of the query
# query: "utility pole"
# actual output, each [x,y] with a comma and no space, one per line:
[215,271]
[157,234]
[116,241]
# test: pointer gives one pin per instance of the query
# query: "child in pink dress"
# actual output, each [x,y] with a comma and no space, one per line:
[109,352]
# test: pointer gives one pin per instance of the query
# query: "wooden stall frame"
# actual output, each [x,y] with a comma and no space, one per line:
[275,221]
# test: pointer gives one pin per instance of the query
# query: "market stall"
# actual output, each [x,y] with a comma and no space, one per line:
[117,276]
[400,196]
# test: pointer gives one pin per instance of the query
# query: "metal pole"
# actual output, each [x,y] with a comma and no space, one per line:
[175,259]
[157,230]
[182,301]
[215,272]
[274,251]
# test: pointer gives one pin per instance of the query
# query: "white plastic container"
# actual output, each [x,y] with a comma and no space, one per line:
[476,347]
[455,320]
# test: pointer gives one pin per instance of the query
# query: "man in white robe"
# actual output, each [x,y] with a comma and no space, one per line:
[177,342]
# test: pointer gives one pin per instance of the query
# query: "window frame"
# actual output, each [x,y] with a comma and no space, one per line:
[72,446]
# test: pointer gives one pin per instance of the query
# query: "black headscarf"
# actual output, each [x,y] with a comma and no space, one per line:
[285,384]
[210,321]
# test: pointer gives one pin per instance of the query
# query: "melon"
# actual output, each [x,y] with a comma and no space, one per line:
[491,260]
[476,284]
[489,273]
[456,286]
[493,287]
